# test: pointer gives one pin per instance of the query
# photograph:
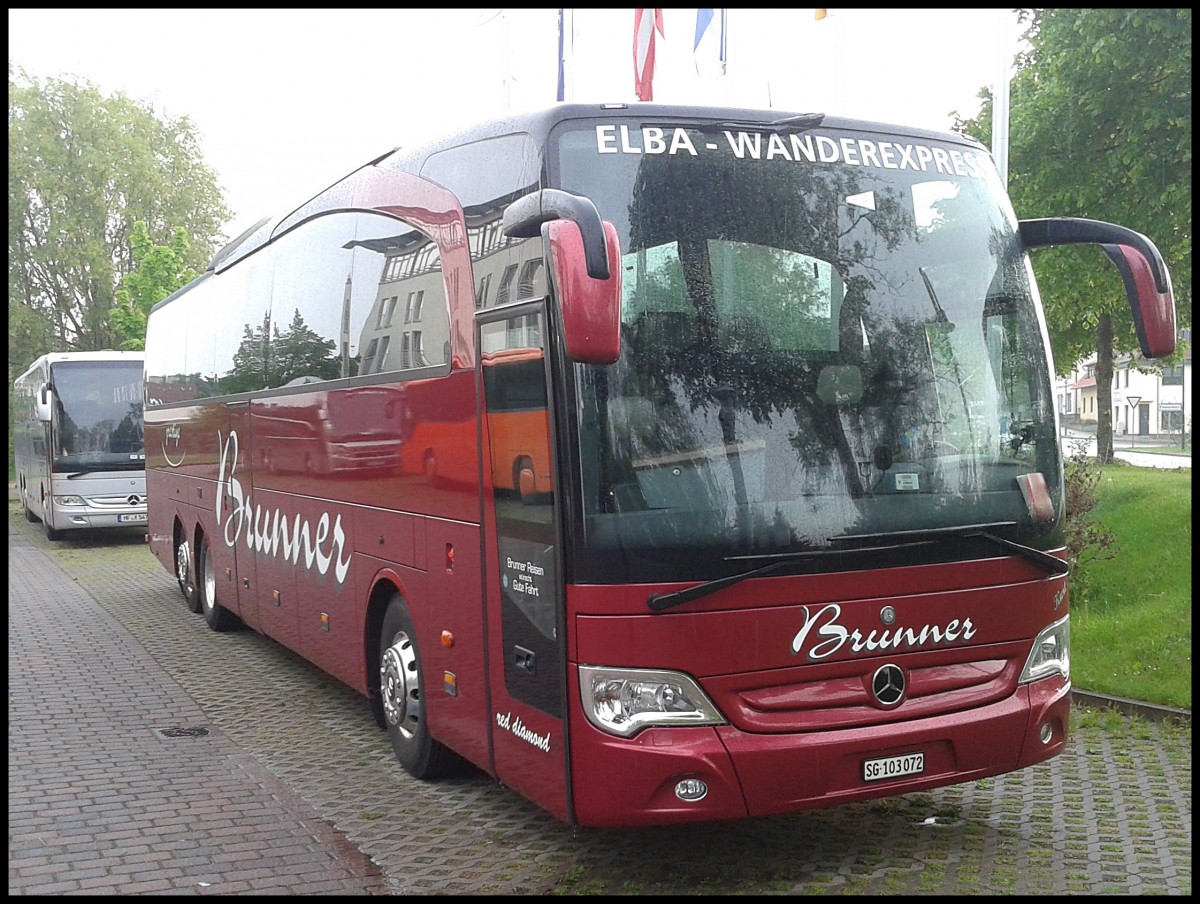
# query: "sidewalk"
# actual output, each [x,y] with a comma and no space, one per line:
[1126,448]
[114,784]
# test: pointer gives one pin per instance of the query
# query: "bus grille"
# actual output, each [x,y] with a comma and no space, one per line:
[846,700]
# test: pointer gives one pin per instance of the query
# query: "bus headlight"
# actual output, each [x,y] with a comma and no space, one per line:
[1051,653]
[68,500]
[624,701]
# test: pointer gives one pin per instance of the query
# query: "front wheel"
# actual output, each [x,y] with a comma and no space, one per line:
[402,695]
[217,616]
[51,532]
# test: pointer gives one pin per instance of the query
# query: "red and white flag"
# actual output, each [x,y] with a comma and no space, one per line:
[645,23]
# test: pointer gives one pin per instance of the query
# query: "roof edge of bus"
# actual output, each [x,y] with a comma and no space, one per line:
[233,244]
[578,110]
[545,117]
[103,354]
[98,354]
[260,233]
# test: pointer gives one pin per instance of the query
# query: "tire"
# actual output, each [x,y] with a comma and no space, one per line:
[51,533]
[185,573]
[29,515]
[217,616]
[402,694]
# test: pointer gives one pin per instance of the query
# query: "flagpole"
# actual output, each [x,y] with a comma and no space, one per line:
[730,69]
[560,95]
[1000,98]
[570,55]
[566,55]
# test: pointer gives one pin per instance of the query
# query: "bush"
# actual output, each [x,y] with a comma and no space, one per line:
[1087,541]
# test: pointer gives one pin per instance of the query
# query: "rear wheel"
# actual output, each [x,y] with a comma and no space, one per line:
[29,515]
[185,573]
[217,616]
[402,694]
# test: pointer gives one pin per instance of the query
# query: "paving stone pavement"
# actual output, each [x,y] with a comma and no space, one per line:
[111,792]
[149,755]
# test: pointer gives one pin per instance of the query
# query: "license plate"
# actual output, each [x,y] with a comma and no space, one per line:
[893,766]
[131,519]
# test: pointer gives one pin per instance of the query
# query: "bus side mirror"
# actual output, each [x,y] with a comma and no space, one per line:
[1142,269]
[583,257]
[591,308]
[42,403]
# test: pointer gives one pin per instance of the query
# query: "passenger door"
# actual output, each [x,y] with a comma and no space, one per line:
[523,574]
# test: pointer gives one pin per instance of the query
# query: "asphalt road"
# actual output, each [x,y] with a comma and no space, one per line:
[149,755]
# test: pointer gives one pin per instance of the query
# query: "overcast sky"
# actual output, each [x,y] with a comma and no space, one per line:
[288,101]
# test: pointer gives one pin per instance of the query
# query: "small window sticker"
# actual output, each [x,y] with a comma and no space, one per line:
[908,482]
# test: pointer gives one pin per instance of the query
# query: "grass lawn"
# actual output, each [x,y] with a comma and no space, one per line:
[1131,615]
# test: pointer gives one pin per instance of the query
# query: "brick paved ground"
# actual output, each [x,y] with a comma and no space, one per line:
[108,791]
[294,790]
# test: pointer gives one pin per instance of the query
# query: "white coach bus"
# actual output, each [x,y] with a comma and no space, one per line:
[78,443]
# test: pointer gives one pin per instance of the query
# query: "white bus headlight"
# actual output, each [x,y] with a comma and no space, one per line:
[624,701]
[1051,653]
[68,500]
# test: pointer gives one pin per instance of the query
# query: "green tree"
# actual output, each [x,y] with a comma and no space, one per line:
[83,168]
[254,361]
[301,352]
[158,271]
[1100,127]
[266,357]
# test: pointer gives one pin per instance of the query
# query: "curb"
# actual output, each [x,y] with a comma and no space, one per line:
[1130,707]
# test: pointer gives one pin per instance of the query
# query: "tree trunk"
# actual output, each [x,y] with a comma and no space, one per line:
[1104,371]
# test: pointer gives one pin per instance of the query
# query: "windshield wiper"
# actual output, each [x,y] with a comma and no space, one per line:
[1052,564]
[657,602]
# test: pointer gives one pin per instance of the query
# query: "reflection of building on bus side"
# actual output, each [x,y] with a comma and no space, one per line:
[396,334]
[505,271]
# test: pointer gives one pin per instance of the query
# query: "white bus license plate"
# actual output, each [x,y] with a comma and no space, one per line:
[893,767]
[131,519]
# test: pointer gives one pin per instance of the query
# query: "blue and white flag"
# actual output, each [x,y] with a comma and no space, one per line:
[710,43]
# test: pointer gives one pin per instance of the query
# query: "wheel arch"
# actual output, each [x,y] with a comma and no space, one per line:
[385,584]
[180,533]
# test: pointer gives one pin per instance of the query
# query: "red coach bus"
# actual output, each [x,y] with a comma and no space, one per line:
[797,538]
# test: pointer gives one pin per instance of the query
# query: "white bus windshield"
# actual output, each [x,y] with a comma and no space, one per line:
[825,335]
[98,417]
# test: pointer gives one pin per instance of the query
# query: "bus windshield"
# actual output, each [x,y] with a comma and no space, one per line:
[826,335]
[98,422]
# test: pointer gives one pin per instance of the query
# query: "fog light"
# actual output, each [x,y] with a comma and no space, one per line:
[691,789]
[1047,733]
